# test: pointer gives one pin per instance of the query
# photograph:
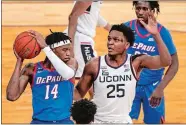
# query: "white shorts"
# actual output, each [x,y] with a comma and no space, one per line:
[125,120]
[83,51]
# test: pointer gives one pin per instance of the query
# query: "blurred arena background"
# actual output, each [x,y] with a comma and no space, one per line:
[18,16]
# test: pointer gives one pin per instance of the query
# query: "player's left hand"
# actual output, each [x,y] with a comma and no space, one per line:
[155,98]
[152,26]
[39,37]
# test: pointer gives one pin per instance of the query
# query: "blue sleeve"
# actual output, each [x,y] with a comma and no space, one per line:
[167,38]
[127,23]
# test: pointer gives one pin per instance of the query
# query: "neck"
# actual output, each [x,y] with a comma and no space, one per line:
[117,60]
[48,64]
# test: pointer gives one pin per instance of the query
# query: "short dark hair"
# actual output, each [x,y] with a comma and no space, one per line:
[153,4]
[127,32]
[56,37]
[83,111]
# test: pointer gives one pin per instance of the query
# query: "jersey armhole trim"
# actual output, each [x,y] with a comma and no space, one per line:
[132,69]
[131,24]
[34,73]
[99,62]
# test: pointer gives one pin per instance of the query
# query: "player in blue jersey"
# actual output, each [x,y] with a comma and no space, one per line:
[151,84]
[52,92]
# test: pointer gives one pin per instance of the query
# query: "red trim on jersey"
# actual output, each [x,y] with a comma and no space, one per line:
[46,68]
[159,29]
[131,24]
[72,80]
[86,43]
[33,76]
[146,35]
[139,34]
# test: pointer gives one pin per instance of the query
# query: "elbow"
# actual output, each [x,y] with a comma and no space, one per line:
[69,74]
[168,62]
[73,17]
[11,98]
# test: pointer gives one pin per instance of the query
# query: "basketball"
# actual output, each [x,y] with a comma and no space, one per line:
[26,45]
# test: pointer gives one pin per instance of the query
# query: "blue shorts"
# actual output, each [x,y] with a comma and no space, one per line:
[64,121]
[151,115]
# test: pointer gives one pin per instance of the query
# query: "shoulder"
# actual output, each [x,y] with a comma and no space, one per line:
[137,60]
[163,29]
[92,65]
[28,69]
[138,57]
[73,63]
[128,22]
[93,62]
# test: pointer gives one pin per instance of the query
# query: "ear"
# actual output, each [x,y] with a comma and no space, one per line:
[54,50]
[127,45]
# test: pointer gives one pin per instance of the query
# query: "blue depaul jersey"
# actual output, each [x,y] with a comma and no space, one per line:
[145,44]
[52,96]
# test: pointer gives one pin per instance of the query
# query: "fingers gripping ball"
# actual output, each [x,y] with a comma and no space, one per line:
[26,45]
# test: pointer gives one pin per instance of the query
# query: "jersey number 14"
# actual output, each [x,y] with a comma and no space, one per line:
[54,91]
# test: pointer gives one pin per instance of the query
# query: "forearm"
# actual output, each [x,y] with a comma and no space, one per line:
[77,95]
[103,23]
[170,73]
[108,27]
[63,69]
[13,89]
[72,26]
[165,57]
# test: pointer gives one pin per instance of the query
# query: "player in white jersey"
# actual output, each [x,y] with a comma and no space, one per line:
[114,75]
[84,18]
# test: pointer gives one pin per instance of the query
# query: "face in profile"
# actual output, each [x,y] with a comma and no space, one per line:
[63,52]
[117,43]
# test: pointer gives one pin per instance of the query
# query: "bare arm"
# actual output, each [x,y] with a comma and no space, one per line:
[156,62]
[18,81]
[171,72]
[86,80]
[72,63]
[79,8]
[108,27]
[164,58]
[103,23]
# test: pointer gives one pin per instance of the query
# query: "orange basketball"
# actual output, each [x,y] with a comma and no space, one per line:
[26,45]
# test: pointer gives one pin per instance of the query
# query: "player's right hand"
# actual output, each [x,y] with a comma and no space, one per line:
[17,56]
[40,39]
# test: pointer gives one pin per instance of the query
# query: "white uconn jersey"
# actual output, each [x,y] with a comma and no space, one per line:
[114,91]
[87,22]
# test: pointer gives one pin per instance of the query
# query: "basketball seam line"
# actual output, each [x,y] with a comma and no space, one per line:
[34,47]
[25,46]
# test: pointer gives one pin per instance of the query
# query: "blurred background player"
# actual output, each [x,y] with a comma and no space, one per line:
[52,93]
[114,75]
[83,20]
[151,85]
[83,111]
